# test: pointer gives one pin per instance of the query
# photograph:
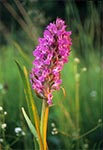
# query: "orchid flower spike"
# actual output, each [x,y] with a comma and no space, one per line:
[50,56]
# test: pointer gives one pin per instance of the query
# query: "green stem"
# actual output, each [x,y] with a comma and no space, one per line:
[44,121]
[42,117]
[88,132]
[77,104]
[77,107]
[15,141]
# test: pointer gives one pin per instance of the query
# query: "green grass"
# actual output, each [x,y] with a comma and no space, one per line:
[63,113]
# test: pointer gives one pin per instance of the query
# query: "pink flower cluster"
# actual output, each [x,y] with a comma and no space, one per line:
[50,56]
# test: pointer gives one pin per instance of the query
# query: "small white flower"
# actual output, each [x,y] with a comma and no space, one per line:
[56,132]
[1,140]
[23,133]
[1,108]
[52,124]
[54,129]
[5,112]
[4,125]
[53,133]
[18,130]
[77,60]
[84,69]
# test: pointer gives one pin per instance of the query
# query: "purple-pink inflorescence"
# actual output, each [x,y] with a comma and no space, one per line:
[50,56]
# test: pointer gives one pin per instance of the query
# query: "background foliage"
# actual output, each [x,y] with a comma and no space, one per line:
[22,22]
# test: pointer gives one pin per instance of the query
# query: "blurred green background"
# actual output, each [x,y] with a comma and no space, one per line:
[77,116]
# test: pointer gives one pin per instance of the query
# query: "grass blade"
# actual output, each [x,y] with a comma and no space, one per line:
[30,125]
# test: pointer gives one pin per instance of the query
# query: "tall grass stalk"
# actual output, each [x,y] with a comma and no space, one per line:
[77,103]
[26,26]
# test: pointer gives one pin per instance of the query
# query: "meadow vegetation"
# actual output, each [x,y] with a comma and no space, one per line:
[76,118]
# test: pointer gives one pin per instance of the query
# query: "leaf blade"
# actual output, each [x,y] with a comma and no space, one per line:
[29,123]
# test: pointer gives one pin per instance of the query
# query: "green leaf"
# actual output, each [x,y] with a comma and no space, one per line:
[21,72]
[30,125]
[22,53]
[28,94]
[33,112]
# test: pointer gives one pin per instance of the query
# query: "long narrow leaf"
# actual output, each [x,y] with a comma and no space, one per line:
[30,125]
[21,72]
[28,93]
[30,98]
[30,101]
